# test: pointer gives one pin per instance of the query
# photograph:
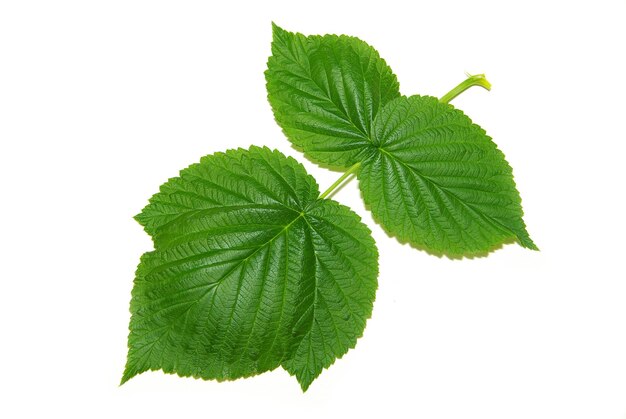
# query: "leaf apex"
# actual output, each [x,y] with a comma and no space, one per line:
[139,218]
[304,385]
[277,30]
[528,243]
[128,374]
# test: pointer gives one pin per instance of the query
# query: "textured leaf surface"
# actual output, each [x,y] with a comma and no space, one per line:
[250,271]
[325,92]
[438,181]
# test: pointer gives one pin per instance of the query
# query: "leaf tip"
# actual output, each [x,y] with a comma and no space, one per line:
[305,383]
[524,240]
[528,244]
[277,30]
[128,374]
[140,219]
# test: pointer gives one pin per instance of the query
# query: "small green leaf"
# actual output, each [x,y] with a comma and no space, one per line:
[439,182]
[326,91]
[250,271]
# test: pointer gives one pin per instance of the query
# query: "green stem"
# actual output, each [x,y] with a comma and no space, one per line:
[338,182]
[475,80]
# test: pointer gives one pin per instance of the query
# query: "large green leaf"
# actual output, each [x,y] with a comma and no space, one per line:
[250,271]
[326,91]
[437,180]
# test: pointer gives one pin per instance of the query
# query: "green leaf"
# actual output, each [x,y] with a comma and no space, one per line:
[326,91]
[437,180]
[250,271]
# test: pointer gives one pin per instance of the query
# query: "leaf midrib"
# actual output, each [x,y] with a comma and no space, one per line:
[258,249]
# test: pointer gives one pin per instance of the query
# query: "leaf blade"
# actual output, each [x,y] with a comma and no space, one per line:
[325,92]
[456,190]
[229,290]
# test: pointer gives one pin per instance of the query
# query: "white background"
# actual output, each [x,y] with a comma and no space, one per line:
[101,102]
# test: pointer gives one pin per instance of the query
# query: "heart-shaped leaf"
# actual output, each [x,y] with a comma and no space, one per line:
[250,271]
